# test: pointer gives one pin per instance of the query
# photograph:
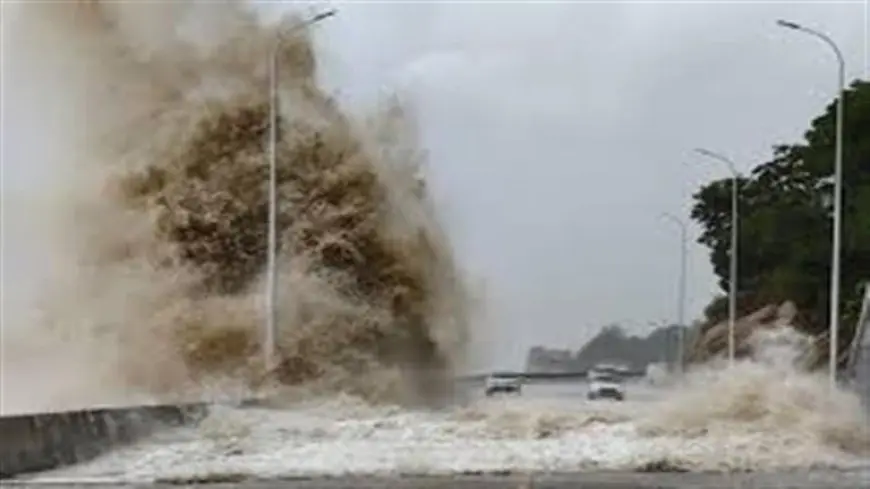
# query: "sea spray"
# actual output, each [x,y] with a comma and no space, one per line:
[156,116]
[770,399]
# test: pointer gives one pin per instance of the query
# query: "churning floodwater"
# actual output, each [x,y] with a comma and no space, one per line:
[750,419]
[760,414]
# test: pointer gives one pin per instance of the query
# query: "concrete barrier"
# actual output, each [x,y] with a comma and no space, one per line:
[43,441]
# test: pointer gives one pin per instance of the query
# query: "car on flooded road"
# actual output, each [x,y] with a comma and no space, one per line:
[605,383]
[501,383]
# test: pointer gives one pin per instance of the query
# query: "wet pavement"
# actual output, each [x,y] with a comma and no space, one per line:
[856,479]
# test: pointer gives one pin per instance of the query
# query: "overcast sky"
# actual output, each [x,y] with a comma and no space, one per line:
[559,133]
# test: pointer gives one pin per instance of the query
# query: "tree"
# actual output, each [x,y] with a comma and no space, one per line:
[786,220]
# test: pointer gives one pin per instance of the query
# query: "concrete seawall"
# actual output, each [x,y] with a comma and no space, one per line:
[43,441]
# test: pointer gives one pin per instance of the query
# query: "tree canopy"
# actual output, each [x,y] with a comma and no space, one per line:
[785,221]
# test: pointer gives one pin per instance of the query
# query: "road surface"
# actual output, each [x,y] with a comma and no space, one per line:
[619,480]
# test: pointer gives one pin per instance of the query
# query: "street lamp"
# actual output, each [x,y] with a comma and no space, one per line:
[732,295]
[681,299]
[272,245]
[838,194]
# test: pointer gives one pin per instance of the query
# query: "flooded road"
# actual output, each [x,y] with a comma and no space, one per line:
[738,421]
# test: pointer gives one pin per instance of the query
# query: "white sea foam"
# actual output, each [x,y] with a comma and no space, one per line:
[756,416]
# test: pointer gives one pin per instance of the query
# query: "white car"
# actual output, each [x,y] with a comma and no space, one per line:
[605,385]
[502,383]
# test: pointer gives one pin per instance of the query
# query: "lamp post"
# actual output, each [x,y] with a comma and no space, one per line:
[272,239]
[838,195]
[735,219]
[681,294]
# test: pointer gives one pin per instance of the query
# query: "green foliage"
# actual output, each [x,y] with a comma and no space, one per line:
[786,220]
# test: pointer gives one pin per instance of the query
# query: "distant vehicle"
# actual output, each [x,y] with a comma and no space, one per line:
[503,383]
[605,384]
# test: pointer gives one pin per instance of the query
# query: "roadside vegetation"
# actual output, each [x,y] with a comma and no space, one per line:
[786,209]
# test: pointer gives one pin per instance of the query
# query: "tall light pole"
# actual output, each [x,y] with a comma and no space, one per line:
[681,294]
[838,194]
[272,244]
[735,219]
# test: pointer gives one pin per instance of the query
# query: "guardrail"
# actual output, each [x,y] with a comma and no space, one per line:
[545,375]
[857,371]
[860,340]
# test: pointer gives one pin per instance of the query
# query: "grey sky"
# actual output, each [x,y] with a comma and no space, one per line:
[559,132]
